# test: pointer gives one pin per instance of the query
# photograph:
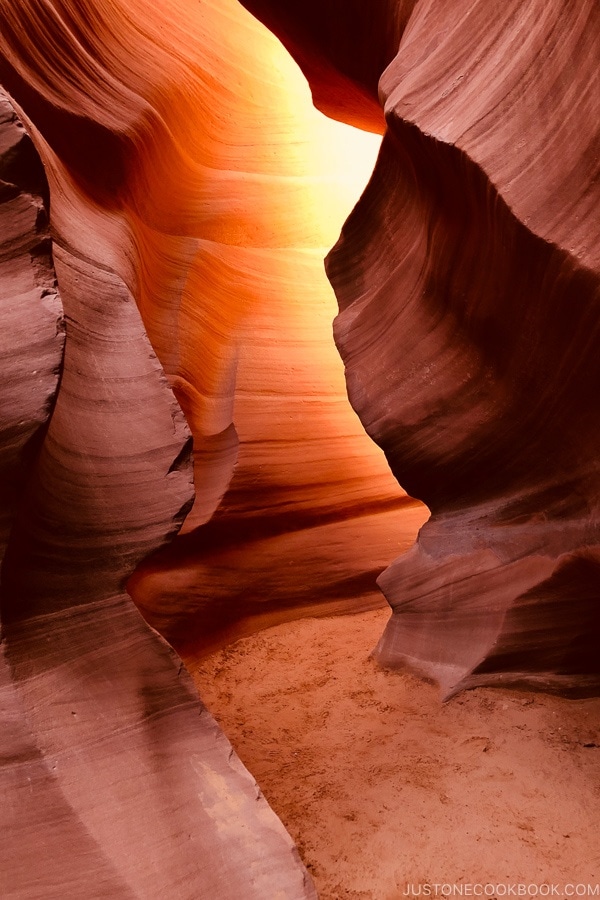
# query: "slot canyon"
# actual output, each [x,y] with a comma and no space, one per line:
[300,358]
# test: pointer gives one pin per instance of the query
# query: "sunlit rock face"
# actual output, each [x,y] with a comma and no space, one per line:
[342,46]
[115,781]
[186,142]
[178,289]
[467,279]
[194,192]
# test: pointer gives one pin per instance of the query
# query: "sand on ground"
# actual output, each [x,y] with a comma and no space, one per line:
[385,789]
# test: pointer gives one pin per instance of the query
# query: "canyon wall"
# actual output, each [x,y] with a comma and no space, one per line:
[116,782]
[189,140]
[162,279]
[193,192]
[467,279]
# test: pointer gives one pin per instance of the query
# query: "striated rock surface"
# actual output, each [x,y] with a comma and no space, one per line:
[193,194]
[467,279]
[116,782]
[32,324]
[184,148]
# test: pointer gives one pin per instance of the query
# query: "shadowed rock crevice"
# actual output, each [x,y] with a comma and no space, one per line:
[31,356]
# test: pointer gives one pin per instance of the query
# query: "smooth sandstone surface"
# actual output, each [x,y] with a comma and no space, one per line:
[193,194]
[116,781]
[217,189]
[467,279]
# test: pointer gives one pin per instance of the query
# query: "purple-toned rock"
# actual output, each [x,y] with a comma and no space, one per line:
[468,285]
[116,782]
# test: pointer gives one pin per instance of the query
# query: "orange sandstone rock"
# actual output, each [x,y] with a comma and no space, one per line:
[193,193]
[467,279]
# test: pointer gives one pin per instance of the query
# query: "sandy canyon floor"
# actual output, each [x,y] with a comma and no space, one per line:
[385,789]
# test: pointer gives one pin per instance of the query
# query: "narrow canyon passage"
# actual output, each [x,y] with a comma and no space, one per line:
[296,509]
[232,326]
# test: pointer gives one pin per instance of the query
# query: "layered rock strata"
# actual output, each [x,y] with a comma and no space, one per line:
[189,137]
[116,782]
[183,190]
[467,279]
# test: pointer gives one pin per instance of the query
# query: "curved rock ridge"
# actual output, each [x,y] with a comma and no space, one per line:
[184,196]
[202,184]
[342,46]
[30,356]
[116,782]
[217,189]
[467,280]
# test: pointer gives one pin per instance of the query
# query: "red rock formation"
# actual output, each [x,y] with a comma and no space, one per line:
[115,781]
[217,190]
[190,186]
[30,356]
[467,279]
[182,190]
